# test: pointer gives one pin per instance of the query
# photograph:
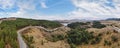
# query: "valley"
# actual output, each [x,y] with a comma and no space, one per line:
[29,33]
[59,23]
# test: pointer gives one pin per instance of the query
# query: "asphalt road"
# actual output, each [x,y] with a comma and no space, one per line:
[22,43]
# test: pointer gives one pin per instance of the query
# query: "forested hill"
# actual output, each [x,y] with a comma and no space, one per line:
[8,30]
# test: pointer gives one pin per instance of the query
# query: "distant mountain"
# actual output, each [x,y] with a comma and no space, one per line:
[117,19]
[73,20]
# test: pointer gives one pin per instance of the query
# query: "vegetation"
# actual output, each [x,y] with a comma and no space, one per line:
[79,37]
[76,25]
[72,45]
[97,24]
[96,40]
[28,40]
[76,36]
[114,38]
[8,35]
[107,42]
[2,44]
[42,42]
[20,23]
[56,37]
[8,29]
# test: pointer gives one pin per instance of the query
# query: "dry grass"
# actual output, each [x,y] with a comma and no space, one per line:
[40,40]
[106,32]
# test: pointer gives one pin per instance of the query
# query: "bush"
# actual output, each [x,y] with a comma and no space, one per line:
[76,25]
[72,46]
[107,42]
[57,37]
[114,39]
[42,42]
[93,42]
[28,40]
[78,37]
[97,24]
[96,40]
[100,34]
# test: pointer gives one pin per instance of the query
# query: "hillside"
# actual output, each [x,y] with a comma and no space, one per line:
[8,30]
[109,38]
[50,34]
[82,35]
[43,39]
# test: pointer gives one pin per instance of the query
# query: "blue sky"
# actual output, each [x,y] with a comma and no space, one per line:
[60,9]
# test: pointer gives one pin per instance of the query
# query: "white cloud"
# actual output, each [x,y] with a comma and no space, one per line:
[95,9]
[24,7]
[43,5]
[5,4]
[86,9]
[23,14]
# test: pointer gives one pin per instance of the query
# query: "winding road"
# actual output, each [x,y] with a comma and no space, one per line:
[22,43]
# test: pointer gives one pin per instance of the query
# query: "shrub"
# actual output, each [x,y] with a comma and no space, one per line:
[96,40]
[76,25]
[42,42]
[72,46]
[107,42]
[97,24]
[57,37]
[114,39]
[78,37]
[100,34]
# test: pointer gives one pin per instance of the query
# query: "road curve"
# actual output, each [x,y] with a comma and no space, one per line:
[47,30]
[22,43]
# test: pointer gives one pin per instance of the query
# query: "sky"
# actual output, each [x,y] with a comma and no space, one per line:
[60,9]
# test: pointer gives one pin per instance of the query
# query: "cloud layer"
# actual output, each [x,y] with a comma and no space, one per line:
[85,9]
[96,9]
